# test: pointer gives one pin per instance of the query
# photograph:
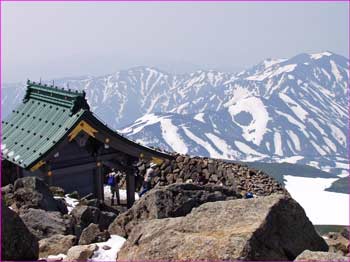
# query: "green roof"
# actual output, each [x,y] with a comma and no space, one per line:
[45,116]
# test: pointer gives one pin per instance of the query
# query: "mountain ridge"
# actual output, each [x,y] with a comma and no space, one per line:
[279,109]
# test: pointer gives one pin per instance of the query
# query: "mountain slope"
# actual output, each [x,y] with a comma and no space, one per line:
[292,110]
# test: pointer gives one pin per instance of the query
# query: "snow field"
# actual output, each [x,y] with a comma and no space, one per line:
[321,207]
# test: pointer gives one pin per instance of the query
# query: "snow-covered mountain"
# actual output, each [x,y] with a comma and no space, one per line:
[293,110]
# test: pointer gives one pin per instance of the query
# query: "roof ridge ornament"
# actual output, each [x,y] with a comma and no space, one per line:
[72,99]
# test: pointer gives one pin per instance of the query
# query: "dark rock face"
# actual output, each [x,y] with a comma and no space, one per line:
[266,228]
[346,232]
[55,245]
[203,171]
[106,218]
[84,215]
[44,224]
[92,234]
[18,243]
[32,192]
[308,255]
[171,201]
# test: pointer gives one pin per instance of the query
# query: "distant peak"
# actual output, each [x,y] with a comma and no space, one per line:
[270,61]
[320,55]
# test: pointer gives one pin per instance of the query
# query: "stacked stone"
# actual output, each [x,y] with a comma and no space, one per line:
[198,170]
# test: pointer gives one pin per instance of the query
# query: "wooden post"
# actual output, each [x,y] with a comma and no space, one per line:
[130,186]
[49,178]
[99,181]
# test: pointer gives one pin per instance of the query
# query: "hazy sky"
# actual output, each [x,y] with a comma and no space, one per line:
[70,39]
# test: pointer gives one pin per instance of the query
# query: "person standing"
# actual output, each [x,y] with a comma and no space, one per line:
[146,186]
[113,182]
[117,178]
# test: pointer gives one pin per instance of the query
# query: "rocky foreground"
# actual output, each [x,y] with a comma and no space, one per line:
[269,228]
[196,210]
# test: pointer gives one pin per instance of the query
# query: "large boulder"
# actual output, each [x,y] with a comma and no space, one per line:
[85,215]
[93,234]
[266,228]
[106,218]
[44,224]
[55,245]
[18,243]
[170,201]
[32,192]
[80,253]
[308,255]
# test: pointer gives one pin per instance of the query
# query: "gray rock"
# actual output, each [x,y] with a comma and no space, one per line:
[18,243]
[92,234]
[56,244]
[7,189]
[171,201]
[81,253]
[308,255]
[32,192]
[105,219]
[44,224]
[266,228]
[346,232]
[337,243]
[85,215]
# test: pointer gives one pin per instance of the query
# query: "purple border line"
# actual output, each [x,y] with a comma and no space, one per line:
[348,147]
[179,1]
[1,126]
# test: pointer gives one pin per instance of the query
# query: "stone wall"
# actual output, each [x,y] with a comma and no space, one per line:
[202,170]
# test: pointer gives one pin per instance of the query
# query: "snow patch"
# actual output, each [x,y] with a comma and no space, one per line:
[318,148]
[58,257]
[257,128]
[321,207]
[291,160]
[247,149]
[122,193]
[71,203]
[199,117]
[295,139]
[115,243]
[270,72]
[212,152]
[271,62]
[338,134]
[278,144]
[320,55]
[172,137]
[297,109]
[140,124]
[222,145]
[335,71]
